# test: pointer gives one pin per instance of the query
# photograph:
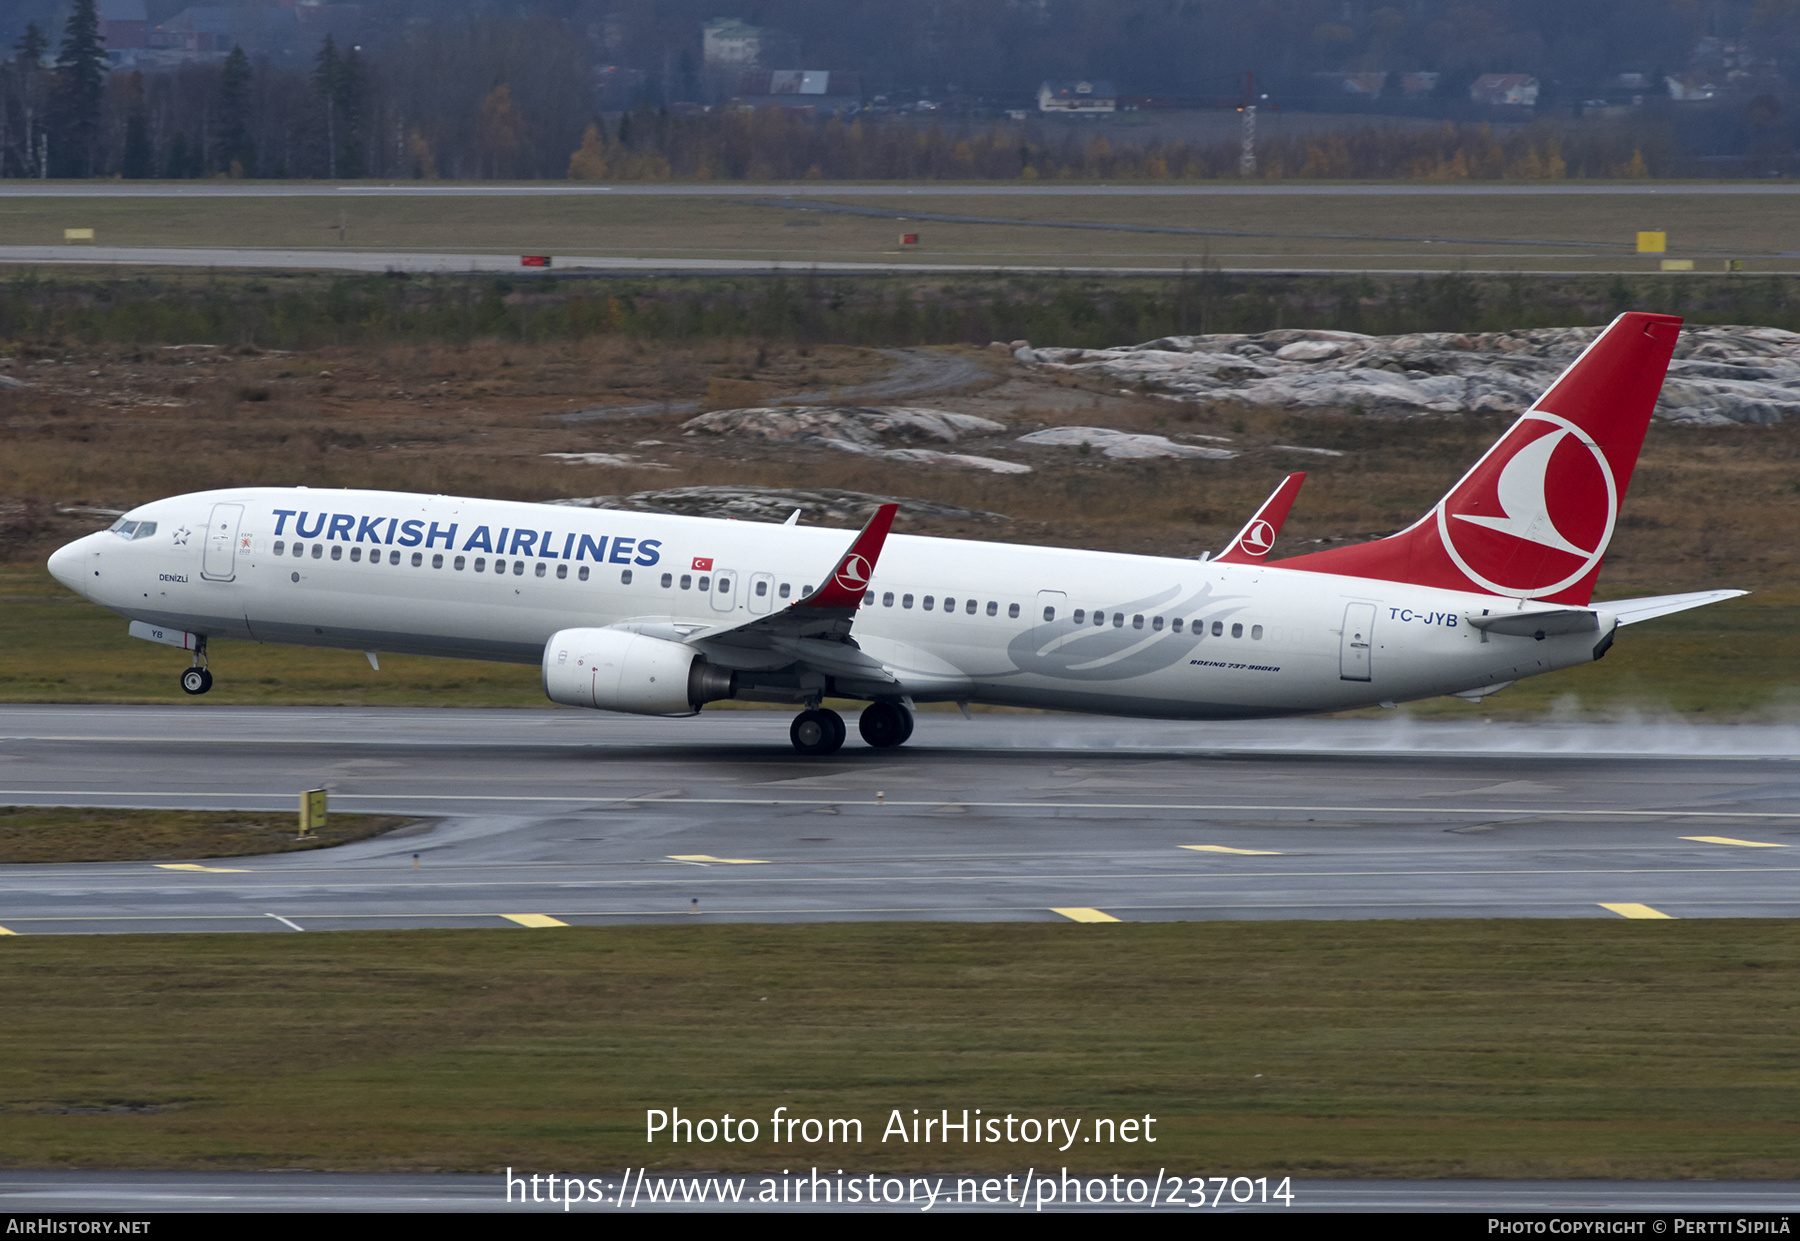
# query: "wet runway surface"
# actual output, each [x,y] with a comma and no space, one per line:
[562,817]
[151,1192]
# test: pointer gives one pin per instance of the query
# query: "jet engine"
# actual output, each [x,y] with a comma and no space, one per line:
[617,670]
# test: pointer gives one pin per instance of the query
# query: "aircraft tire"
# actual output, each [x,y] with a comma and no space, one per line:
[196,681]
[817,732]
[885,724]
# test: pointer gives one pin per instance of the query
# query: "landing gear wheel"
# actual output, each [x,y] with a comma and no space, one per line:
[885,724]
[196,681]
[817,732]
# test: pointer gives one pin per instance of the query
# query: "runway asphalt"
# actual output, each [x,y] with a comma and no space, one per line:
[26,1193]
[559,817]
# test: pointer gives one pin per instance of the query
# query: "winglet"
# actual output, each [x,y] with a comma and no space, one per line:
[1255,541]
[845,587]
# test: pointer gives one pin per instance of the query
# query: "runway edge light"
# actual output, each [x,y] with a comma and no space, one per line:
[312,812]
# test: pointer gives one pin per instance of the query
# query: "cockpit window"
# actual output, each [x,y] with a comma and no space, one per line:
[144,530]
[124,528]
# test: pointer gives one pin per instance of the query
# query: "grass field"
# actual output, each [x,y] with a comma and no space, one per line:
[1347,232]
[64,834]
[1463,1048]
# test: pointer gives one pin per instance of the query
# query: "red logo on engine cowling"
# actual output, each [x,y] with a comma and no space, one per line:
[1535,515]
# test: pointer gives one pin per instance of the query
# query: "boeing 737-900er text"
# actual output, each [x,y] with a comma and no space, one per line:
[659,615]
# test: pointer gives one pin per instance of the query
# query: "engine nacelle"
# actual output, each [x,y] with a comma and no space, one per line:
[616,670]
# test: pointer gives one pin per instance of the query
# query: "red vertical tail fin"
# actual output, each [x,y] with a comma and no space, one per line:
[1533,517]
[1257,539]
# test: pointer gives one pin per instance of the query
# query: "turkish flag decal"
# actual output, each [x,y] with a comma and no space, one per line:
[703,564]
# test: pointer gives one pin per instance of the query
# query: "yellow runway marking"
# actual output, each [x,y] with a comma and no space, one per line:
[1730,840]
[1628,909]
[4,931]
[1228,849]
[1084,915]
[211,870]
[722,861]
[533,920]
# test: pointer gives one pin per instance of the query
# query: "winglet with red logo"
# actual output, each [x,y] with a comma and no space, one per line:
[845,587]
[1257,539]
[1533,517]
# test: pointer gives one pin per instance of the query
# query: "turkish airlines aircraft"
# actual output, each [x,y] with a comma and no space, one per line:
[659,615]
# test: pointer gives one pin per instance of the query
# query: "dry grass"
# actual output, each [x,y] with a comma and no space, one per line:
[63,834]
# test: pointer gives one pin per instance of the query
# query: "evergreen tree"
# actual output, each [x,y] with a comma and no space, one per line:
[28,73]
[351,91]
[177,166]
[232,144]
[138,157]
[75,101]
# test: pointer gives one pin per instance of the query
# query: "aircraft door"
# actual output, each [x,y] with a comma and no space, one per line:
[217,563]
[760,593]
[1357,643]
[725,590]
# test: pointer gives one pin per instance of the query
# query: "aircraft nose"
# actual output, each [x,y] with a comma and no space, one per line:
[66,565]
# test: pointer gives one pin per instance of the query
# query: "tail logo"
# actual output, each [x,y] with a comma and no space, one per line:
[1536,514]
[853,574]
[1258,538]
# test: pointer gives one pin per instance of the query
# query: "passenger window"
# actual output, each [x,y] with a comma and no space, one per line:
[1080,615]
[806,590]
[280,547]
[762,588]
[785,588]
[906,601]
[519,568]
[1256,632]
[1137,622]
[539,570]
[1237,631]
[1218,628]
[868,599]
[481,564]
[1012,610]
[458,564]
[1175,625]
[355,554]
[668,580]
[562,571]
[887,599]
[394,557]
[1118,620]
[724,586]
[949,604]
[1099,618]
[337,551]
[437,561]
[705,582]
[318,551]
[1050,615]
[687,581]
[1156,624]
[625,578]
[299,549]
[418,559]
[926,603]
[582,573]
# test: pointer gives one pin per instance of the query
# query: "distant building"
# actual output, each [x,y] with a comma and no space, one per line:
[1088,96]
[1363,85]
[1505,90]
[1695,85]
[1412,84]
[824,90]
[727,42]
[123,24]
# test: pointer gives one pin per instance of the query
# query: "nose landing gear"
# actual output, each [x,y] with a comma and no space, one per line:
[198,679]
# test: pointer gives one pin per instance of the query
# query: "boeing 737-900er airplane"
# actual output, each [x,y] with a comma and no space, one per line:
[659,615]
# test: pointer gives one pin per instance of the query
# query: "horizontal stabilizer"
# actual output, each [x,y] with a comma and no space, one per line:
[1631,611]
[1537,623]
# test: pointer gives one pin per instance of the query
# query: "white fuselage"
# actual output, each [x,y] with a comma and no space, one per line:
[951,620]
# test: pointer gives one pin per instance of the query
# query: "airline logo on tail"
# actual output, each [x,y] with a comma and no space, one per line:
[1536,514]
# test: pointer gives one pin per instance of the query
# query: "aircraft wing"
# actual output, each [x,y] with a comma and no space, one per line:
[1631,611]
[817,627]
[1257,539]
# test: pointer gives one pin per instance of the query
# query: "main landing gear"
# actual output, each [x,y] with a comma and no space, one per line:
[197,680]
[819,732]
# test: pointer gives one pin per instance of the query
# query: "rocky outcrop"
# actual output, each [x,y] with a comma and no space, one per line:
[869,426]
[1719,374]
[1123,444]
[817,506]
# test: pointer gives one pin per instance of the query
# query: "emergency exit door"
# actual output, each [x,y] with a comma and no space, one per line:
[1358,642]
[218,563]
